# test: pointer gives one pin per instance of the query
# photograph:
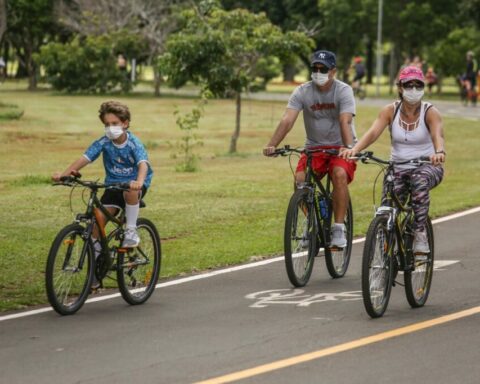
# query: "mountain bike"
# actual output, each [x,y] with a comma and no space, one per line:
[308,224]
[72,265]
[389,246]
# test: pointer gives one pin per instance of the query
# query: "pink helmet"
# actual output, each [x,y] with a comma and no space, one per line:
[411,73]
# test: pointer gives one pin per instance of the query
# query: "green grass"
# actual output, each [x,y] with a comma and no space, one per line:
[230,210]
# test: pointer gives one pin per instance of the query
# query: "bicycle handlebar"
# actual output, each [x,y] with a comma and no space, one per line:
[364,157]
[287,149]
[75,179]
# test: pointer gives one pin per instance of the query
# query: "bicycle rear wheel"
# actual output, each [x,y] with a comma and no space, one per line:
[139,267]
[418,281]
[67,276]
[337,260]
[300,238]
[377,267]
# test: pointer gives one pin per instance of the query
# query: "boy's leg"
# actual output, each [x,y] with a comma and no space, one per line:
[132,209]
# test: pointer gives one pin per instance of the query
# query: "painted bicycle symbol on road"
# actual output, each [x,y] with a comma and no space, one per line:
[298,297]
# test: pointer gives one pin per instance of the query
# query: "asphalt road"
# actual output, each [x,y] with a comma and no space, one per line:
[211,325]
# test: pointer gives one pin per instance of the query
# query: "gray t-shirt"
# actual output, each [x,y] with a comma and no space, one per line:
[321,111]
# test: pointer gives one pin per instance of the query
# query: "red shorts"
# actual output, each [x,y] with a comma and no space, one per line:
[323,163]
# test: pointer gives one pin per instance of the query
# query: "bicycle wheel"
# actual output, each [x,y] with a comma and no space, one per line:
[377,267]
[418,281]
[337,260]
[139,267]
[69,270]
[300,238]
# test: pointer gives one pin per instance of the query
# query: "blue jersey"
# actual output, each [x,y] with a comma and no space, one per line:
[120,161]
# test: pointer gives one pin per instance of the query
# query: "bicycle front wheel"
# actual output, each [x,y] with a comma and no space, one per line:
[300,238]
[337,260]
[139,267]
[377,267]
[69,270]
[419,280]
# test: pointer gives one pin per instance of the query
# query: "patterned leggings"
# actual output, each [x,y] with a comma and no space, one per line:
[419,181]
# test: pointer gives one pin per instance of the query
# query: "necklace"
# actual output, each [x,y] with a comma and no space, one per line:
[409,127]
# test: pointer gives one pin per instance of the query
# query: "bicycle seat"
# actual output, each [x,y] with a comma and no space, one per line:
[142,204]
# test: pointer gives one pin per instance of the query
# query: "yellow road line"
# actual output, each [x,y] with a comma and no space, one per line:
[339,348]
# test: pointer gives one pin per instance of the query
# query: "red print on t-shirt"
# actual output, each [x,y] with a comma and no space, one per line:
[322,106]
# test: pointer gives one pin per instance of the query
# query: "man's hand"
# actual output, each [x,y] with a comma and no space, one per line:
[268,151]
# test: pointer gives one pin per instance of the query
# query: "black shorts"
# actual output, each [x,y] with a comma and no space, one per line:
[114,198]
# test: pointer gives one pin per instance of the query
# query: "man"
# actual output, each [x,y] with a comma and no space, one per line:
[328,108]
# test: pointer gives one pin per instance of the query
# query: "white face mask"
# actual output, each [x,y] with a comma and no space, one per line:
[412,96]
[113,131]
[320,78]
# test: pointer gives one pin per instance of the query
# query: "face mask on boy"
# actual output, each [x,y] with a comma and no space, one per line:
[113,131]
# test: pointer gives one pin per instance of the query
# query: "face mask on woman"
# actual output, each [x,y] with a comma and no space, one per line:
[413,95]
[320,78]
[113,131]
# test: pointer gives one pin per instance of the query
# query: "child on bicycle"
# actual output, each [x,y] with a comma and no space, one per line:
[125,161]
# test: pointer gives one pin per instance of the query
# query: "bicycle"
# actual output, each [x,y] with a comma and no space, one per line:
[308,224]
[71,264]
[359,90]
[389,246]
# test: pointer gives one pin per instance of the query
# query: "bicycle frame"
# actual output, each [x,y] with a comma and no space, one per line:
[311,179]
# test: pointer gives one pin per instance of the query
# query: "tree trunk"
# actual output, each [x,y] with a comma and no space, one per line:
[289,72]
[236,133]
[3,18]
[157,79]
[369,61]
[31,68]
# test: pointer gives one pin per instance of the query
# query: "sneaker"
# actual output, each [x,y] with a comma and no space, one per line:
[338,236]
[420,242]
[131,238]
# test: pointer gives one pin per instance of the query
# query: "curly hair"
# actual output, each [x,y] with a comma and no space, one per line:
[118,109]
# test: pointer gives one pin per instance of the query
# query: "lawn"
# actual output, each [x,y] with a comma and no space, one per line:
[230,211]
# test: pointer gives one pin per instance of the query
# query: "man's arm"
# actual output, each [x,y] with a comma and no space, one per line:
[285,126]
[346,128]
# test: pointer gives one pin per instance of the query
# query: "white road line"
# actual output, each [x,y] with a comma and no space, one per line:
[214,273]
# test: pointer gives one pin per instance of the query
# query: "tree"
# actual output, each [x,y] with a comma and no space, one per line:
[3,18]
[30,23]
[222,50]
[151,19]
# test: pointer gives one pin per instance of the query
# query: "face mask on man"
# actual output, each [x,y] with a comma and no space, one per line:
[320,78]
[113,131]
[413,95]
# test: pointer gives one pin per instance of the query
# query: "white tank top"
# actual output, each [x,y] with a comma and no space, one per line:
[412,143]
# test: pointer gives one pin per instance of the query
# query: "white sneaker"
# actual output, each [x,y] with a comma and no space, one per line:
[131,238]
[420,242]
[338,236]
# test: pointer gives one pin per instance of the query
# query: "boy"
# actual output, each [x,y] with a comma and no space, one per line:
[125,161]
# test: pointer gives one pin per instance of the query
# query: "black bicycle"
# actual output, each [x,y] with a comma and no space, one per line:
[308,224]
[72,266]
[389,246]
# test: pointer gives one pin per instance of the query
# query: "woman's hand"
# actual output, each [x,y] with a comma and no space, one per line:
[346,153]
[437,158]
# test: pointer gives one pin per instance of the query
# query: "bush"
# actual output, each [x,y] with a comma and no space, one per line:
[85,64]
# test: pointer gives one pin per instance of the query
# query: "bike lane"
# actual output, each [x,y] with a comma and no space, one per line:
[215,326]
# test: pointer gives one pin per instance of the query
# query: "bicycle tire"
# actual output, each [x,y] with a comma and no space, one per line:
[67,284]
[418,282]
[300,238]
[377,267]
[138,268]
[337,261]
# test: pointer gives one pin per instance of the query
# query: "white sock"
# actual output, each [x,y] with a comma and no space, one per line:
[339,225]
[131,214]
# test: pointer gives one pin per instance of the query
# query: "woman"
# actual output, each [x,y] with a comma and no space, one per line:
[416,130]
